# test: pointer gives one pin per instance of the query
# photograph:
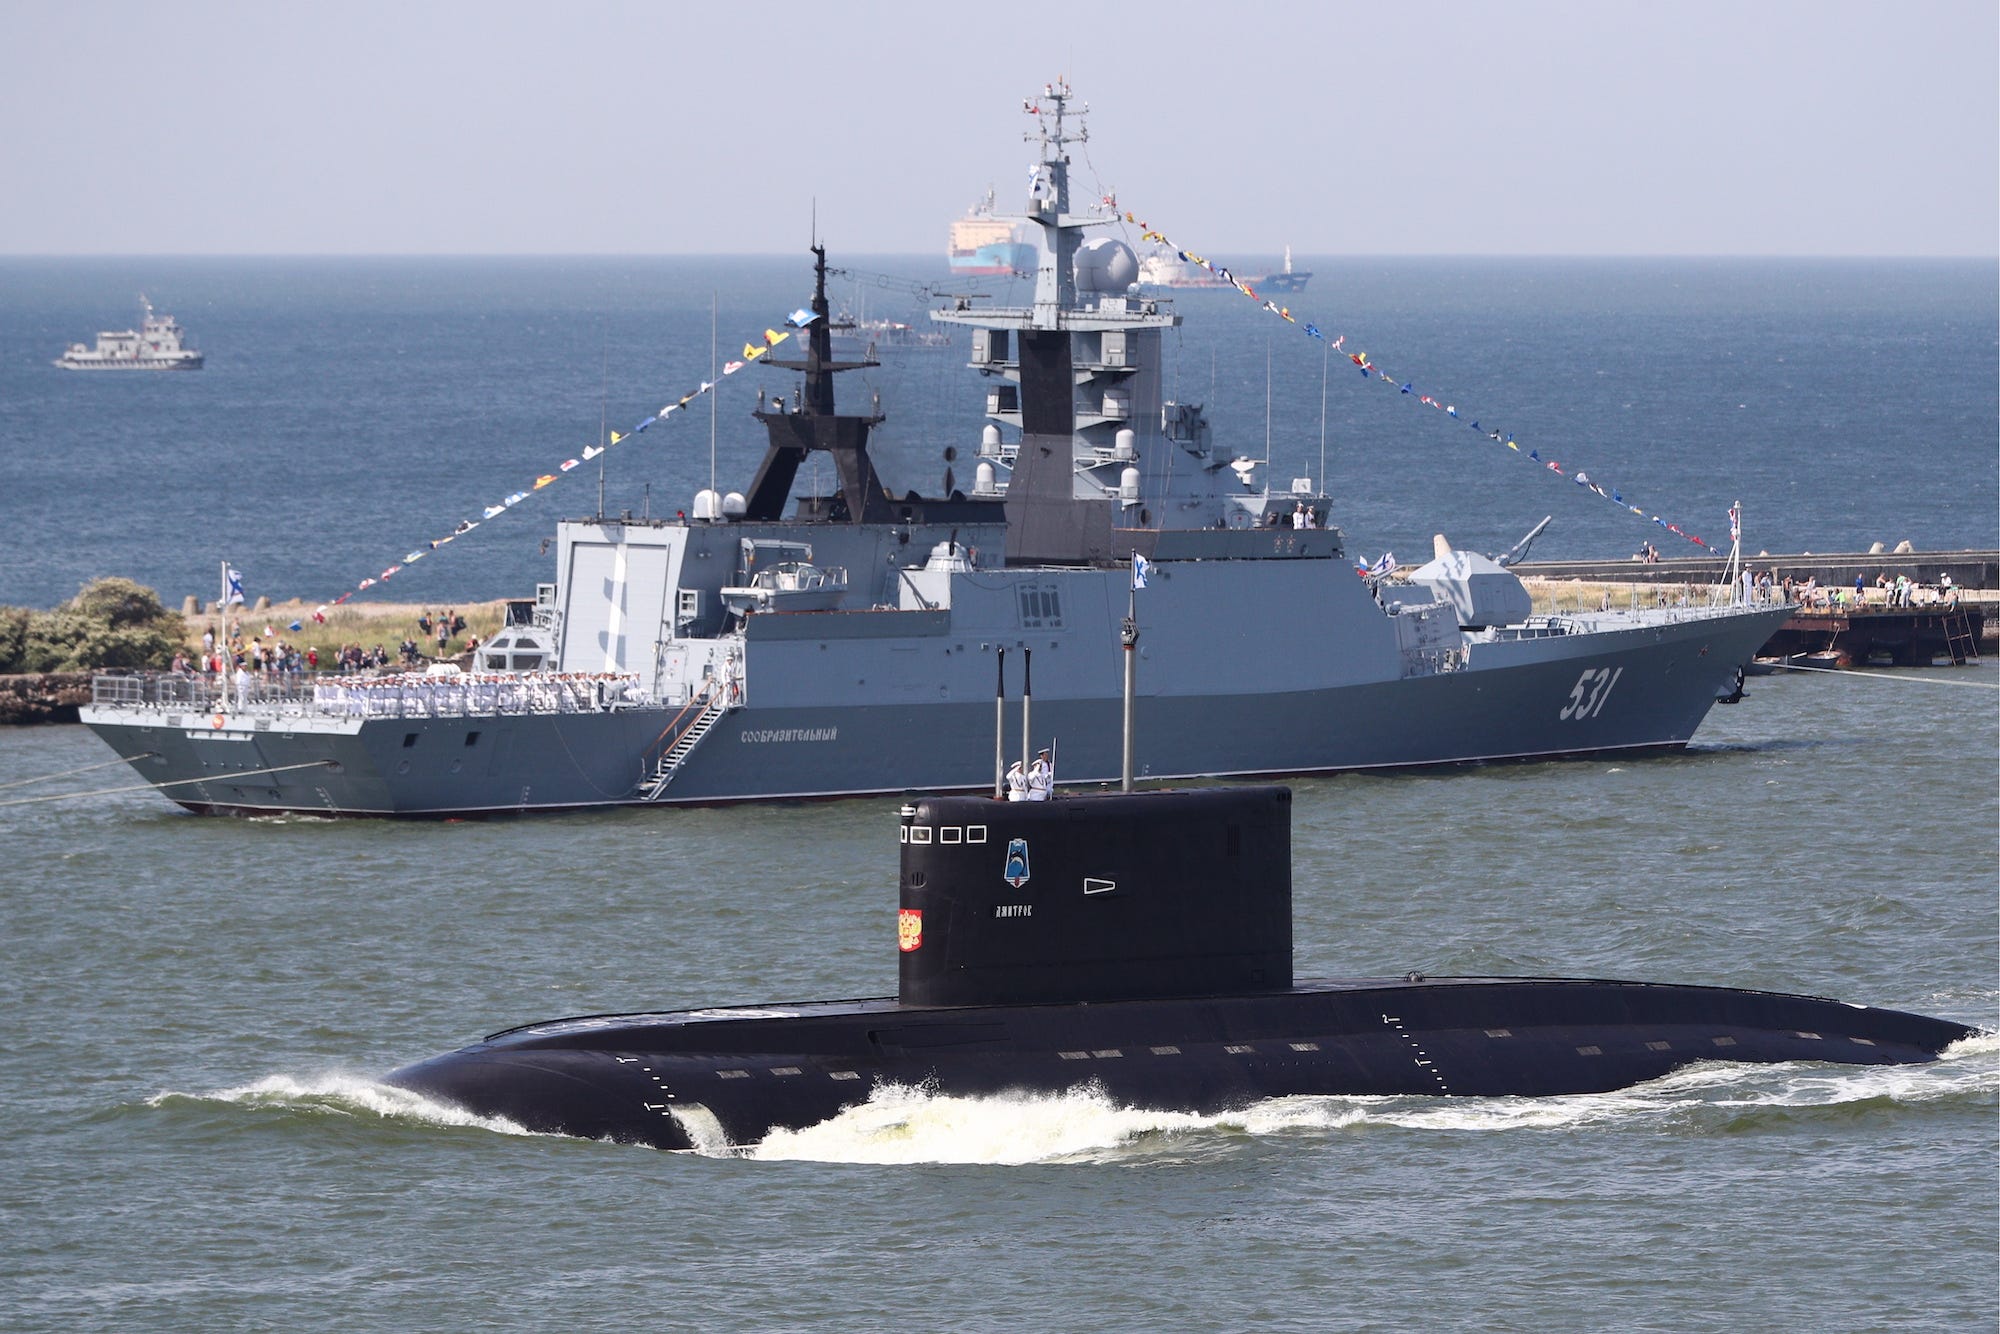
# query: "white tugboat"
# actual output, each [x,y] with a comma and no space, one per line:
[154,346]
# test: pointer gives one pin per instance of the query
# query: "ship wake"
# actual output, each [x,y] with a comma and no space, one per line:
[338,1097]
[902,1124]
[910,1125]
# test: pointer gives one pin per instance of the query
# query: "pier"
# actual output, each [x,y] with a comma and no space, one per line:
[1970,570]
[1905,636]
[1959,625]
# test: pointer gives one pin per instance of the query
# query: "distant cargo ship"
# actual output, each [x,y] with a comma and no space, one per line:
[1165,268]
[1286,279]
[983,245]
[154,346]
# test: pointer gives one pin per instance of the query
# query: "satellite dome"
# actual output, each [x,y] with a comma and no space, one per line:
[1105,264]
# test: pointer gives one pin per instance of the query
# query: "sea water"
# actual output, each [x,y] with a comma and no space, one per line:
[354,410]
[198,1010]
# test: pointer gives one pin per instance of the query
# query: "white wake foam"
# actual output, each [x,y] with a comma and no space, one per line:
[899,1124]
[911,1125]
[342,1095]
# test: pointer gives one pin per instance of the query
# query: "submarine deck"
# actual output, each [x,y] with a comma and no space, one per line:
[744,1028]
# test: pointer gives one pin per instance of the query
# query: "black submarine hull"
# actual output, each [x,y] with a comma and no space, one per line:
[708,1077]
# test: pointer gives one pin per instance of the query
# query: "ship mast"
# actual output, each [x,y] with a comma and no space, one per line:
[813,423]
[1048,204]
[1076,355]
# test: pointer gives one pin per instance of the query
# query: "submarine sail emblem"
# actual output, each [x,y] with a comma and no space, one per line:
[1016,873]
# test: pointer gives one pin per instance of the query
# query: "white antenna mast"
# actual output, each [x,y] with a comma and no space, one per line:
[711,391]
[1267,398]
[1326,360]
[603,414]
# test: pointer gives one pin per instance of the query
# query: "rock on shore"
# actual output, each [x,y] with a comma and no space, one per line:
[43,697]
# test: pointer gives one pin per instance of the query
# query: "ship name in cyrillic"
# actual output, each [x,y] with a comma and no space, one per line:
[762,734]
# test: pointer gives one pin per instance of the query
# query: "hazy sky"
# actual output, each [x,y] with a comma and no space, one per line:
[1816,127]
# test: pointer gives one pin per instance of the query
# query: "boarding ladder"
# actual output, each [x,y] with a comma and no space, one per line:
[708,711]
[1960,642]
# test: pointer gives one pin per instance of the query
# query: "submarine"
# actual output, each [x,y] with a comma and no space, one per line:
[1139,942]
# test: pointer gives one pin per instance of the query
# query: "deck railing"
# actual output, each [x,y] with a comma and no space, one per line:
[393,695]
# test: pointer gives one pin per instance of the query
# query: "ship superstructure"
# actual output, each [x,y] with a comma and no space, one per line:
[776,644]
[156,345]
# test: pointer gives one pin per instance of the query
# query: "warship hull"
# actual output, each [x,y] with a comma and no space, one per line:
[827,717]
[720,1077]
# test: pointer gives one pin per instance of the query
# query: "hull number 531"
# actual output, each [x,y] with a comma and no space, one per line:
[1592,689]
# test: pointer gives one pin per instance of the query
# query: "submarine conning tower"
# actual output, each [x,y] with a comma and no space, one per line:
[1118,896]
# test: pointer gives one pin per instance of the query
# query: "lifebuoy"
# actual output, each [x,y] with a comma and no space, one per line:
[217,724]
[735,691]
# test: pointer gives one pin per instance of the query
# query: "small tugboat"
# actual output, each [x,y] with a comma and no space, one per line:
[154,346]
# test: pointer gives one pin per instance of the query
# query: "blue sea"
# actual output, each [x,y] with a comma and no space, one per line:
[197,1009]
[353,410]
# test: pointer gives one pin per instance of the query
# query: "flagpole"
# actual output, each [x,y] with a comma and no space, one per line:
[713,377]
[1027,703]
[1736,552]
[1128,635]
[603,425]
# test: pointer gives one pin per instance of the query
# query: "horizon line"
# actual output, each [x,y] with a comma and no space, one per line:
[1324,257]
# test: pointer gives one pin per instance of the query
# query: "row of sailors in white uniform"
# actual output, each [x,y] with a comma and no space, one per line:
[444,696]
[1035,783]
